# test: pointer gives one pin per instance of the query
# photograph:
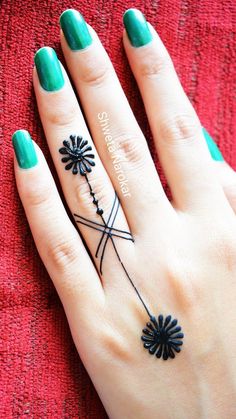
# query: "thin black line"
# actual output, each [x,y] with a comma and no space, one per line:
[127,274]
[106,224]
[108,231]
[109,235]
[101,225]
[102,230]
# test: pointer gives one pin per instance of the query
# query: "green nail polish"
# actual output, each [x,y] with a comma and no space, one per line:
[24,149]
[75,30]
[137,29]
[48,69]
[213,148]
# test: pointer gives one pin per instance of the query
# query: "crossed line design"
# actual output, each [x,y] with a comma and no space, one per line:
[107,230]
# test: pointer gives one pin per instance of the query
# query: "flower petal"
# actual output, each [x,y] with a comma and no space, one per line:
[150,326]
[83,143]
[153,348]
[87,148]
[63,150]
[91,162]
[75,169]
[176,342]
[175,330]
[79,139]
[176,348]
[69,165]
[86,166]
[66,144]
[172,324]
[147,339]
[154,321]
[147,344]
[167,320]
[171,353]
[165,353]
[178,336]
[160,320]
[89,155]
[148,332]
[159,352]
[81,169]
[72,137]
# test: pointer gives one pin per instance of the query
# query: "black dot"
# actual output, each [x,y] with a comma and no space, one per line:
[99,211]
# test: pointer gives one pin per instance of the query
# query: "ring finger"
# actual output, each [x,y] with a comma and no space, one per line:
[88,190]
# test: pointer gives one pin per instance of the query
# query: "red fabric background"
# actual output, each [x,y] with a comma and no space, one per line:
[41,373]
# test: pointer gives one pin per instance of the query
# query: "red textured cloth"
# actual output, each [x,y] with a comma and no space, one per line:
[41,373]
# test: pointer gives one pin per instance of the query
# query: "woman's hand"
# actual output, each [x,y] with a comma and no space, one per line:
[181,256]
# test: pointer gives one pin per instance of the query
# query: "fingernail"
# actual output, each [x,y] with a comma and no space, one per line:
[212,146]
[48,69]
[75,30]
[137,29]
[24,149]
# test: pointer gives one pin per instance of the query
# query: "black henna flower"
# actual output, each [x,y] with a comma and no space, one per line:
[162,337]
[77,155]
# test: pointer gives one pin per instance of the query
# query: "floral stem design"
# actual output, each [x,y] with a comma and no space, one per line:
[161,337]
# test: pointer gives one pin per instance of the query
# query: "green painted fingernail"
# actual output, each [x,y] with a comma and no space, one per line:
[75,30]
[213,148]
[48,69]
[24,149]
[137,29]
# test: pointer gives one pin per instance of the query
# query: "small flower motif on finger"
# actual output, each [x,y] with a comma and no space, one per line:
[77,155]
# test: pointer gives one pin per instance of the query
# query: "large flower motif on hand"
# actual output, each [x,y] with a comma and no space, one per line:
[77,155]
[162,337]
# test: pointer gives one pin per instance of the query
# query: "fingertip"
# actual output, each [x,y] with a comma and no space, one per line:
[24,149]
[18,133]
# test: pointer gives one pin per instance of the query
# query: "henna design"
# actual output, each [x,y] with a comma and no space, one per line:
[161,337]
[76,153]
[107,229]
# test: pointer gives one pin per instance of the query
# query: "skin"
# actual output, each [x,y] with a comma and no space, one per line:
[183,260]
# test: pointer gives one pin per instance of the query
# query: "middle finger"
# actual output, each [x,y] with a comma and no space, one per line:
[116,133]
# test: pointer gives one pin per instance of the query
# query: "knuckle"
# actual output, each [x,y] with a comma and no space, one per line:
[95,75]
[114,345]
[82,193]
[85,200]
[130,147]
[183,127]
[224,249]
[151,67]
[62,115]
[63,253]
[186,288]
[37,196]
